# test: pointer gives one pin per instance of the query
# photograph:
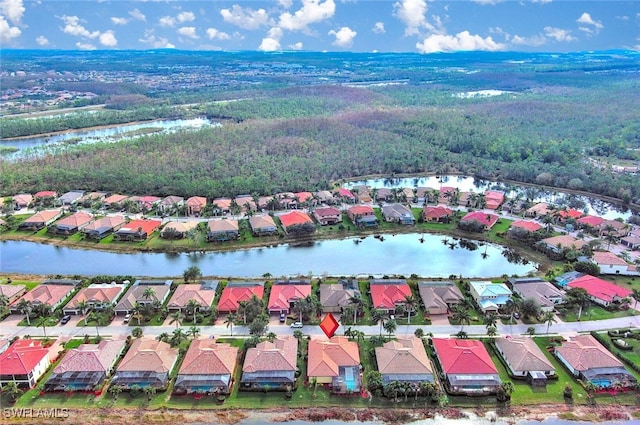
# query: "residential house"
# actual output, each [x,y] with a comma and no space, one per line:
[362,216]
[12,292]
[293,219]
[207,367]
[589,222]
[86,367]
[271,365]
[439,297]
[287,200]
[22,200]
[88,199]
[96,296]
[404,360]
[45,198]
[71,224]
[267,202]
[384,194]
[398,213]
[363,193]
[588,360]
[71,197]
[387,294]
[632,242]
[136,294]
[600,291]
[327,215]
[538,210]
[148,202]
[345,195]
[24,362]
[614,227]
[304,197]
[246,202]
[50,292]
[325,197]
[170,204]
[137,230]
[334,297]
[547,295]
[489,296]
[236,292]
[525,359]
[101,228]
[556,244]
[447,194]
[408,194]
[487,220]
[178,229]
[493,199]
[564,279]
[465,199]
[438,214]
[148,362]
[223,230]
[425,194]
[202,293]
[195,205]
[610,263]
[262,225]
[40,220]
[284,295]
[114,201]
[222,205]
[564,215]
[467,367]
[525,226]
[335,363]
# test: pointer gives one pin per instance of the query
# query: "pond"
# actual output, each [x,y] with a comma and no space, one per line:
[403,254]
[55,143]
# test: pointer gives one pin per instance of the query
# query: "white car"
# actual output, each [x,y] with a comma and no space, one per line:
[127,318]
[296,325]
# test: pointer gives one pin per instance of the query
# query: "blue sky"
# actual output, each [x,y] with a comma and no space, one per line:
[322,25]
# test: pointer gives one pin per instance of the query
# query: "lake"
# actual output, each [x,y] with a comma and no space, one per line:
[401,254]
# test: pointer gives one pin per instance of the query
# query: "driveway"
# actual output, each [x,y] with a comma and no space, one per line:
[13,320]
[439,319]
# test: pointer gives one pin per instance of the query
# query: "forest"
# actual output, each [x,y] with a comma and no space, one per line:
[555,122]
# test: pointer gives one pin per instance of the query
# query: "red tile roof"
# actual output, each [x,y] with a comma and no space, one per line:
[346,193]
[147,226]
[530,226]
[303,196]
[600,289]
[327,212]
[272,356]
[487,219]
[326,356]
[294,217]
[437,212]
[22,357]
[45,194]
[47,294]
[570,213]
[206,357]
[197,201]
[77,219]
[608,258]
[463,356]
[232,295]
[91,357]
[43,216]
[282,294]
[388,296]
[493,199]
[360,210]
[590,220]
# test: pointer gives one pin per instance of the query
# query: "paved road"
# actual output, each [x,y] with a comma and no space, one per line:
[566,329]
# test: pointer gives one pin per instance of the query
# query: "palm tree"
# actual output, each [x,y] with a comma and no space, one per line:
[193,306]
[177,318]
[164,337]
[115,391]
[44,311]
[492,331]
[137,332]
[177,337]
[149,293]
[242,306]
[376,317]
[230,320]
[580,297]
[511,307]
[194,331]
[12,390]
[82,306]
[635,294]
[462,315]
[149,391]
[410,304]
[357,303]
[549,318]
[192,273]
[491,319]
[271,336]
[25,307]
[390,327]
[137,311]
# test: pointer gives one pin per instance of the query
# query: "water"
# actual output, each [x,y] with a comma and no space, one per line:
[43,144]
[396,255]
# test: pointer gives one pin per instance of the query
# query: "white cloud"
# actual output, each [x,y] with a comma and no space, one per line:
[167,21]
[413,14]
[108,39]
[85,46]
[285,3]
[137,15]
[119,21]
[534,40]
[585,18]
[185,17]
[272,41]
[559,34]
[487,2]
[246,18]
[296,46]
[219,35]
[7,32]
[378,28]
[541,1]
[461,41]
[42,40]
[344,37]
[156,42]
[188,32]
[12,10]
[312,11]
[73,27]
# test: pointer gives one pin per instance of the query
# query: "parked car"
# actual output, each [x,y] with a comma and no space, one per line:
[283,317]
[296,325]
[127,318]
[65,319]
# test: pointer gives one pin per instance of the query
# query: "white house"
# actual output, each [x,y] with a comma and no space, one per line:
[489,296]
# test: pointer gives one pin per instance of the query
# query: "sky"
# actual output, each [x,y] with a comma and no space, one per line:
[418,26]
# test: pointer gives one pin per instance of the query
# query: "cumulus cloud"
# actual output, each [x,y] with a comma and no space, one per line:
[167,21]
[412,13]
[188,32]
[487,2]
[42,40]
[285,3]
[108,39]
[185,17]
[344,37]
[590,26]
[85,46]
[559,34]
[378,28]
[137,15]
[7,32]
[12,10]
[461,41]
[213,33]
[272,41]
[246,18]
[312,11]
[119,21]
[73,26]
[534,40]
[156,42]
[296,46]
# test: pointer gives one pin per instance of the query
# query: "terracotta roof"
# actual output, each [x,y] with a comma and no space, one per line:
[148,199]
[564,241]
[404,356]
[148,355]
[111,222]
[47,294]
[43,216]
[523,354]
[224,225]
[493,199]
[171,199]
[326,356]
[200,293]
[261,221]
[387,296]
[360,209]
[280,355]
[91,357]
[570,213]
[232,294]
[608,258]
[197,201]
[463,356]
[146,226]
[294,217]
[11,291]
[180,226]
[530,226]
[115,198]
[436,212]
[22,357]
[206,357]
[45,194]
[77,219]
[22,199]
[222,203]
[584,352]
[591,220]
[102,293]
[281,295]
[598,288]
[303,196]
[484,218]
[539,209]
[327,212]
[345,193]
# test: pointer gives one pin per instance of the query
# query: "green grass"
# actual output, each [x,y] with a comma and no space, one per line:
[30,284]
[595,312]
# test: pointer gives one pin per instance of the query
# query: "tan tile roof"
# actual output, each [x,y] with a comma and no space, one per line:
[197,292]
[271,356]
[136,292]
[91,357]
[43,216]
[75,220]
[523,354]
[584,352]
[404,356]
[334,295]
[102,293]
[224,225]
[326,356]
[564,241]
[11,291]
[207,357]
[180,226]
[47,294]
[261,221]
[439,295]
[148,355]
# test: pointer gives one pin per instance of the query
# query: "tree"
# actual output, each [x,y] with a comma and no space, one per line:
[376,317]
[44,311]
[149,293]
[193,306]
[491,319]
[230,320]
[194,331]
[82,306]
[357,303]
[462,315]
[549,318]
[177,337]
[242,307]
[12,390]
[260,325]
[492,331]
[580,298]
[271,336]
[410,304]
[164,337]
[136,332]
[115,391]
[511,307]
[149,391]
[635,294]
[390,327]
[297,334]
[192,273]
[137,311]
[419,333]
[530,307]
[25,308]
[177,318]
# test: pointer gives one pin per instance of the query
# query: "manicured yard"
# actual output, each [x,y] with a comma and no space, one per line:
[595,312]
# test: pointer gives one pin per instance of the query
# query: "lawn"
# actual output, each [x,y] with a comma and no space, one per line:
[595,312]
[30,284]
